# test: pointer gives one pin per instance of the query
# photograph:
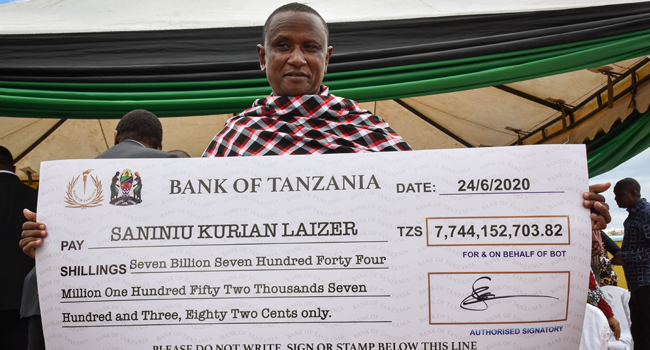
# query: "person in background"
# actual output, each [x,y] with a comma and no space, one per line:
[607,275]
[138,135]
[14,196]
[635,258]
[595,298]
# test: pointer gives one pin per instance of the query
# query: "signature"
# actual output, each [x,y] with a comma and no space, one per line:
[481,295]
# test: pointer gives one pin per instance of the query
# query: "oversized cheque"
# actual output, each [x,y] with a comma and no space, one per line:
[455,249]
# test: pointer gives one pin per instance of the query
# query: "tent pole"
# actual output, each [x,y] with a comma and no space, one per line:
[40,139]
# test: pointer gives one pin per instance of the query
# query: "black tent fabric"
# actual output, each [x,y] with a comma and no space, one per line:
[229,53]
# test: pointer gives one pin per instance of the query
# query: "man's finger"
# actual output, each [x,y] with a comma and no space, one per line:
[603,209]
[599,214]
[25,241]
[31,228]
[597,188]
[32,235]
[33,232]
[29,246]
[29,225]
[599,222]
[29,215]
[593,197]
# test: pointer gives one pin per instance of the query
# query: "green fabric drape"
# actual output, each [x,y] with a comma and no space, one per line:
[620,144]
[172,99]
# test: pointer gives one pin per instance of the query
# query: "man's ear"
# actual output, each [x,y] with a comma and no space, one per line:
[261,53]
[327,57]
[117,137]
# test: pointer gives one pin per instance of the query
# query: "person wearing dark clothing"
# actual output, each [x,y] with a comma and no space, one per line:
[130,148]
[14,196]
[635,258]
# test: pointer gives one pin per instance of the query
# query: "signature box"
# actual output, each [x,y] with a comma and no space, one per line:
[498,230]
[498,297]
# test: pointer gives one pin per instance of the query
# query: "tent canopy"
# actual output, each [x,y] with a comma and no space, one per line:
[443,74]
[91,16]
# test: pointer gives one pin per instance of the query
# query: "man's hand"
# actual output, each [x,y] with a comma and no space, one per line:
[596,203]
[615,327]
[617,259]
[33,234]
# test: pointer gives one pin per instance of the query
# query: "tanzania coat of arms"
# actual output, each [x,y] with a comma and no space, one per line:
[126,188]
[85,200]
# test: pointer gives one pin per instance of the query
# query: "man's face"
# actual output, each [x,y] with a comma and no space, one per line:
[295,53]
[625,198]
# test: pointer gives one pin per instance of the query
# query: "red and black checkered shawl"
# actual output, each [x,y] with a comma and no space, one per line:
[307,124]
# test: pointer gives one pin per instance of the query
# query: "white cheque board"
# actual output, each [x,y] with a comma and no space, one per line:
[456,249]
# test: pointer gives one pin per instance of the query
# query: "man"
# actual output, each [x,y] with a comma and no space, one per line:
[14,196]
[635,258]
[138,135]
[302,117]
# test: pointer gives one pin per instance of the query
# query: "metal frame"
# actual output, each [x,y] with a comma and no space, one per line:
[570,122]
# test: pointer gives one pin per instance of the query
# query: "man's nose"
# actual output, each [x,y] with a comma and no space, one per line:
[297,58]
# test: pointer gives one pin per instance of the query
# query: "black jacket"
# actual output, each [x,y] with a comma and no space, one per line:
[14,197]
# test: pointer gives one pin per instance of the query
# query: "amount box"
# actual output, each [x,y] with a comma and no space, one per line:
[498,230]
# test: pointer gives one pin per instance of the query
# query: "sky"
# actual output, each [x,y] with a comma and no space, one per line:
[637,168]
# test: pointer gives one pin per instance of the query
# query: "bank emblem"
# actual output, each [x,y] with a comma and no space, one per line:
[91,196]
[126,188]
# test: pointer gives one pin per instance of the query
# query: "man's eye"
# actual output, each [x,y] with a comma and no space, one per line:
[312,47]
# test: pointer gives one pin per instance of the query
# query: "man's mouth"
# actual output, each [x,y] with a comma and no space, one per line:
[295,75]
